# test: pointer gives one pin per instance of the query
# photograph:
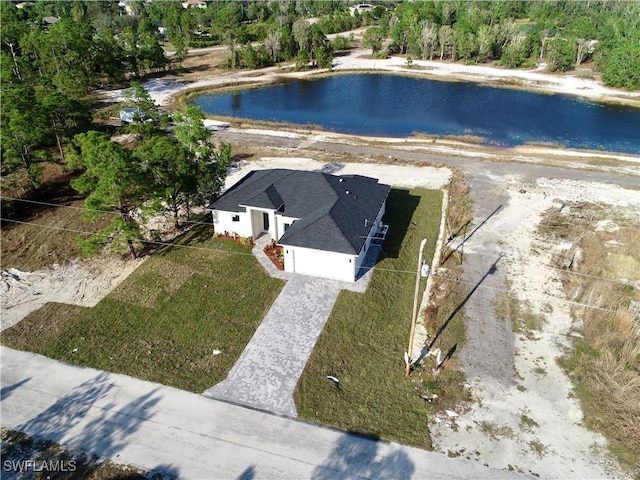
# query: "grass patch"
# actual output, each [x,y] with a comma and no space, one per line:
[604,362]
[164,321]
[364,339]
[496,431]
[538,448]
[527,422]
[523,319]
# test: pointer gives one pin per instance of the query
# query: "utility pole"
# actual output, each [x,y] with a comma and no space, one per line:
[409,353]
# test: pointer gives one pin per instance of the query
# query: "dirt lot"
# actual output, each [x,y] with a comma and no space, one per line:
[525,415]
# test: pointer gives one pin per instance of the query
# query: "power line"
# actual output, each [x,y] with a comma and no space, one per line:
[211,224]
[152,242]
[85,209]
[392,270]
[543,265]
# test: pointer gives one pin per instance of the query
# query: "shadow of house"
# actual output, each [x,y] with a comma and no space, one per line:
[355,456]
[400,207]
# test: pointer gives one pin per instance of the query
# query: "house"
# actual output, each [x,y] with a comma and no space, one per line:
[194,3]
[132,115]
[361,8]
[325,223]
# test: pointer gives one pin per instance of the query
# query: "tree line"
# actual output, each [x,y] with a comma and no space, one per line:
[564,34]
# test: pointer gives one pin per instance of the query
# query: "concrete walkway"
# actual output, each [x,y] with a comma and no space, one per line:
[185,435]
[268,369]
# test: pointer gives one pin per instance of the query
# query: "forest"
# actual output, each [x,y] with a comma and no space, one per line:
[55,53]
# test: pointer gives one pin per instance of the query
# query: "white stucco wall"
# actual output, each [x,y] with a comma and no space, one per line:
[280,221]
[223,222]
[320,263]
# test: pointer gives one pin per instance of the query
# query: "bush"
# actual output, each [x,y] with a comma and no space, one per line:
[622,67]
[341,43]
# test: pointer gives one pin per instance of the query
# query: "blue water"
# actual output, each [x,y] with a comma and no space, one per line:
[397,106]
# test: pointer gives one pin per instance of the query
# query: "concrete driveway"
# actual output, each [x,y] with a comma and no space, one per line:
[271,364]
[186,435]
[269,367]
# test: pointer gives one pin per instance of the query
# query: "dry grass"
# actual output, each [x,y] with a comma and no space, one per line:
[35,233]
[523,319]
[444,319]
[605,361]
[496,431]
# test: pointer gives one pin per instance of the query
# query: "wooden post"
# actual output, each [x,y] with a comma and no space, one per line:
[415,310]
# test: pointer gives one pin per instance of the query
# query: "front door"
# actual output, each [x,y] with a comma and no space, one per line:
[265,221]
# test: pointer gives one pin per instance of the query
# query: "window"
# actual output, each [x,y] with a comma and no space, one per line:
[235,218]
[286,226]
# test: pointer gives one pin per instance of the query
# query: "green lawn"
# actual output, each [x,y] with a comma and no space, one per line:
[366,335]
[164,321]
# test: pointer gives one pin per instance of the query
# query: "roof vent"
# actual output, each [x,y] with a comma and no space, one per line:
[347,192]
[366,222]
[341,180]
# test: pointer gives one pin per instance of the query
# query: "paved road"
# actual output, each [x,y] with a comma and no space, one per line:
[163,429]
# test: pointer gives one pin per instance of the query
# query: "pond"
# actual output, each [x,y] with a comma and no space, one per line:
[399,106]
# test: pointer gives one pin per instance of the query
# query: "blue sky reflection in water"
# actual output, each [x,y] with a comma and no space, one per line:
[397,106]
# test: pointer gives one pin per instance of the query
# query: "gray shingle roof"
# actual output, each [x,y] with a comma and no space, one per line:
[336,213]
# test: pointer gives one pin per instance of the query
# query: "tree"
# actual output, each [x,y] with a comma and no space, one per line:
[67,116]
[622,67]
[113,182]
[62,55]
[320,48]
[180,42]
[272,43]
[148,119]
[428,38]
[164,161]
[373,39]
[25,130]
[228,21]
[142,49]
[302,34]
[209,165]
[560,54]
[447,40]
[485,42]
[399,31]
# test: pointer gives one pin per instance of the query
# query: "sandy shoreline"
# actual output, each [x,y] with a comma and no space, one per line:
[360,60]
[168,91]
